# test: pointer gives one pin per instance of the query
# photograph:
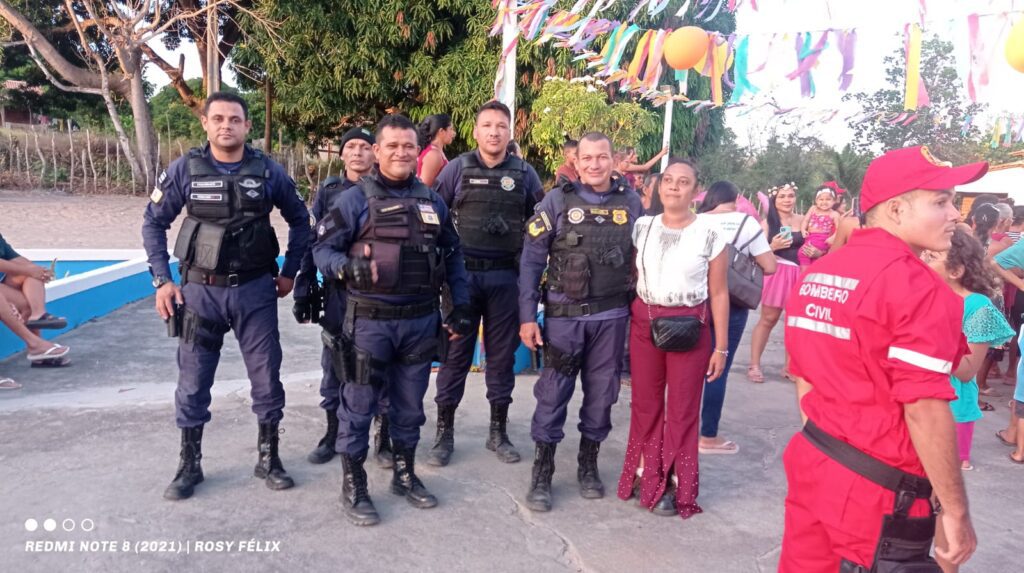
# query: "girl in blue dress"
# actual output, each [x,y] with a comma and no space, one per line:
[967,271]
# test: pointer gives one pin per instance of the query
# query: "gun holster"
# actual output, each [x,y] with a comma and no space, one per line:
[562,362]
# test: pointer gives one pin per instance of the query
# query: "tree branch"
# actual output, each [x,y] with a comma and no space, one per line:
[177,77]
[75,75]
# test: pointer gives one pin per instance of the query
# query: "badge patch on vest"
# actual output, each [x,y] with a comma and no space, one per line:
[249,183]
[575,215]
[157,195]
[208,184]
[207,197]
[390,209]
[428,215]
[620,217]
[253,194]
[507,183]
[538,225]
[477,181]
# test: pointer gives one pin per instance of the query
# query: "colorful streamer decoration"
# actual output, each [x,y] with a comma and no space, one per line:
[807,57]
[847,41]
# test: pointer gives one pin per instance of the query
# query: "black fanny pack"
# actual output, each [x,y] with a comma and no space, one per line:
[672,333]
[905,542]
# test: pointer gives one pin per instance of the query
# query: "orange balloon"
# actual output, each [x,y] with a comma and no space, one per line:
[685,47]
[1015,47]
[720,52]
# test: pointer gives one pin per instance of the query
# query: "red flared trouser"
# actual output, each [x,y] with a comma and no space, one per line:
[663,426]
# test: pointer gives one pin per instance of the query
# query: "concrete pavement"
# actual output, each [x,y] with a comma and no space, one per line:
[94,445]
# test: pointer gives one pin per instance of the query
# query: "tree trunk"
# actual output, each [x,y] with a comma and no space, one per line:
[145,139]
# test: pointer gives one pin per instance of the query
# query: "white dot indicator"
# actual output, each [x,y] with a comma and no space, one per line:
[87,525]
[31,524]
[49,525]
[68,525]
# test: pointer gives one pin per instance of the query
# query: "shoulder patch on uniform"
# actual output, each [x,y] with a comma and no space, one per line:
[156,196]
[538,225]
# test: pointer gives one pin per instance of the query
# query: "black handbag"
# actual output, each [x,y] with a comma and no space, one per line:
[746,278]
[672,333]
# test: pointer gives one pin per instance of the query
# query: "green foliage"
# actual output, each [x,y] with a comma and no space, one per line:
[349,62]
[574,108]
[937,126]
[806,161]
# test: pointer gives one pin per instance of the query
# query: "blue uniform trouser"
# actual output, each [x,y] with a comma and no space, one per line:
[390,342]
[599,343]
[494,297]
[250,310]
[714,391]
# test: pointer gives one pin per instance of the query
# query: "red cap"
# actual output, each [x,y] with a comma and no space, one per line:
[903,170]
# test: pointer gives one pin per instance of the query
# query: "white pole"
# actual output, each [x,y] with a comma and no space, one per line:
[508,87]
[666,134]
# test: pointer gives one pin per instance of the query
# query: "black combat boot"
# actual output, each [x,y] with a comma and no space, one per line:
[444,443]
[190,473]
[269,465]
[324,451]
[355,496]
[382,443]
[539,497]
[405,482]
[497,440]
[590,481]
[666,506]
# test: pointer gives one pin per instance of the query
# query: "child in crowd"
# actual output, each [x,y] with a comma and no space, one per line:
[965,269]
[820,224]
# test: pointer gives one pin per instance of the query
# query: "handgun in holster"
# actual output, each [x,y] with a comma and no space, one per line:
[174,321]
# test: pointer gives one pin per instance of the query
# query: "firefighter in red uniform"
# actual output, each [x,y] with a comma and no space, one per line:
[874,334]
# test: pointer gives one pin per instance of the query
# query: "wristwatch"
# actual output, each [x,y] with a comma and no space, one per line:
[160,280]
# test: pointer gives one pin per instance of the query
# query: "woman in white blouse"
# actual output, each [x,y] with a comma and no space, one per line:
[681,268]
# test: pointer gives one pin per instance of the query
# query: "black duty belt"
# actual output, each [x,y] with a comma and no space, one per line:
[560,310]
[360,307]
[478,265]
[224,280]
[866,466]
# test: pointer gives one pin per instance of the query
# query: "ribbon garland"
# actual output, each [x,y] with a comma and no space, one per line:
[578,27]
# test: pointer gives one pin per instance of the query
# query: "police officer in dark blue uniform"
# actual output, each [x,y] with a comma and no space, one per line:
[357,154]
[228,254]
[392,243]
[491,194]
[585,229]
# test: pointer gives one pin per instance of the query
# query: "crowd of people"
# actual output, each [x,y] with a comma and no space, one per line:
[411,253]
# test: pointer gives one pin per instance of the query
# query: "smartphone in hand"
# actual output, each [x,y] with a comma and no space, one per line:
[787,232]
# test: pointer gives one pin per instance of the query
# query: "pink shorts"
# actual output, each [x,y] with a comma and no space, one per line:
[777,285]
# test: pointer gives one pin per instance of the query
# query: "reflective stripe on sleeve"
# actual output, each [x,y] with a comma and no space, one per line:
[832,280]
[840,332]
[920,360]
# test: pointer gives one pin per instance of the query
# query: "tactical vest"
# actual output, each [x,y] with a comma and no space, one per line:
[402,233]
[490,213]
[591,252]
[228,226]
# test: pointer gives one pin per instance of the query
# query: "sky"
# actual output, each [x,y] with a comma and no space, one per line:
[879,25]
[880,32]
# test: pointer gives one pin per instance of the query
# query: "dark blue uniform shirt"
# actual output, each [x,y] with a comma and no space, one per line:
[331,253]
[536,249]
[322,203]
[449,187]
[171,194]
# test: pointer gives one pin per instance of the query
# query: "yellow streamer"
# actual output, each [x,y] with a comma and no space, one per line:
[913,68]
[633,72]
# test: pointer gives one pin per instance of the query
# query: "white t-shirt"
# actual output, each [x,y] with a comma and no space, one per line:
[729,223]
[675,261]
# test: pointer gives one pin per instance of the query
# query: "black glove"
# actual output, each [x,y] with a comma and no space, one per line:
[460,321]
[358,273]
[302,310]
